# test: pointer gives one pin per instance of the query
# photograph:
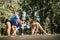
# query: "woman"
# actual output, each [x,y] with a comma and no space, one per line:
[13,24]
[35,26]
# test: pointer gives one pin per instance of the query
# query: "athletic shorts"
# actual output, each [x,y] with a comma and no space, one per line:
[9,21]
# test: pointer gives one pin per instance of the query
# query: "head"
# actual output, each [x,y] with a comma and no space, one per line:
[33,21]
[22,21]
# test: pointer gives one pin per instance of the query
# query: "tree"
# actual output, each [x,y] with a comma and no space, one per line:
[46,9]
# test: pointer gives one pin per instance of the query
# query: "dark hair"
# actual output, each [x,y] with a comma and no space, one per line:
[32,21]
[22,20]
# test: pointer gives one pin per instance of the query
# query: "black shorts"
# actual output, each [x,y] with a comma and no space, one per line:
[8,21]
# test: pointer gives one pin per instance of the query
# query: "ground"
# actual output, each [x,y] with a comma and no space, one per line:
[32,37]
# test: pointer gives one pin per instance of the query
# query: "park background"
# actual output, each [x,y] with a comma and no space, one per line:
[46,12]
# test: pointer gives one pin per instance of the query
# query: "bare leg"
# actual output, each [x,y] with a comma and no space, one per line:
[14,33]
[42,29]
[33,30]
[12,29]
[8,24]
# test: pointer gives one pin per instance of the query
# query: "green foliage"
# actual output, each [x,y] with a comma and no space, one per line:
[46,9]
[4,13]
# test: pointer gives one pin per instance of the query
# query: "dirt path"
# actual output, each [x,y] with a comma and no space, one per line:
[32,37]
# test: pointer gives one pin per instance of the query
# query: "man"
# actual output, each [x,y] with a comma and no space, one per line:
[35,26]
